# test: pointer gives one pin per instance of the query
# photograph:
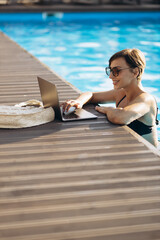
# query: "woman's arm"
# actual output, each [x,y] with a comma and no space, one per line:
[92,97]
[126,115]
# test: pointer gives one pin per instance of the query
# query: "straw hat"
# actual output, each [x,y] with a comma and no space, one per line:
[26,114]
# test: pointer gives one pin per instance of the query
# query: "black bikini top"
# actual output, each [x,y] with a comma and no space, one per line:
[138,126]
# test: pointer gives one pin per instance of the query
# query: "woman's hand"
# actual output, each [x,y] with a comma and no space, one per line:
[103,109]
[78,103]
[71,103]
[111,113]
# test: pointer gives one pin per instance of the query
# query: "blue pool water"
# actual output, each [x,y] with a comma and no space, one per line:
[78,45]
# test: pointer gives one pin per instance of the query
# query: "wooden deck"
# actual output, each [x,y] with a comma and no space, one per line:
[86,180]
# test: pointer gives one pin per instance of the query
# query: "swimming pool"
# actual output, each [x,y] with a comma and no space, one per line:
[78,45]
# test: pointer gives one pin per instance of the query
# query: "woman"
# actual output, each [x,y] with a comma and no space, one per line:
[134,107]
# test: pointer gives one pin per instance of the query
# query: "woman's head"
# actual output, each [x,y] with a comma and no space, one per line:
[134,59]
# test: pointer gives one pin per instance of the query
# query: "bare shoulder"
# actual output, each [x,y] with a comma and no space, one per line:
[147,98]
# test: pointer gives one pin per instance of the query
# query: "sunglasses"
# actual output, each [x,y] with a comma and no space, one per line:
[115,71]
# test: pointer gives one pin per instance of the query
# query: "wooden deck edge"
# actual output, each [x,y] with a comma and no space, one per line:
[43,64]
[79,7]
[52,71]
[144,141]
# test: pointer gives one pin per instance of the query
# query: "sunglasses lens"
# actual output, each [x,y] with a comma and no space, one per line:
[115,72]
[108,70]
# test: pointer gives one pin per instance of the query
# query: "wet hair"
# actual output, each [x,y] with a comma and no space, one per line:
[134,58]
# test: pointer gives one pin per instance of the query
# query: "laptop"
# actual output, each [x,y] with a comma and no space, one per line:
[50,98]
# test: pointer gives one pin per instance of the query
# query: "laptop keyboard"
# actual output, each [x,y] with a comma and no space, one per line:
[70,116]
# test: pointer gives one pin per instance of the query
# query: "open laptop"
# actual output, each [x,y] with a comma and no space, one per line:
[50,98]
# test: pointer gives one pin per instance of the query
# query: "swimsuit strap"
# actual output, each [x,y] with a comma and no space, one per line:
[121,100]
[157,121]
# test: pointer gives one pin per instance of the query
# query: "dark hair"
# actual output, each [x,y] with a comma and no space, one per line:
[134,58]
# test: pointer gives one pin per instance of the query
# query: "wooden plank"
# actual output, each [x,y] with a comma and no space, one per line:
[83,180]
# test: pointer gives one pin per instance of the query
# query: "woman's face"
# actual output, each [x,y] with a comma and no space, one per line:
[125,75]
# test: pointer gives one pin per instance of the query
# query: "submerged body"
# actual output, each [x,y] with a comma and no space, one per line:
[134,107]
[138,126]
